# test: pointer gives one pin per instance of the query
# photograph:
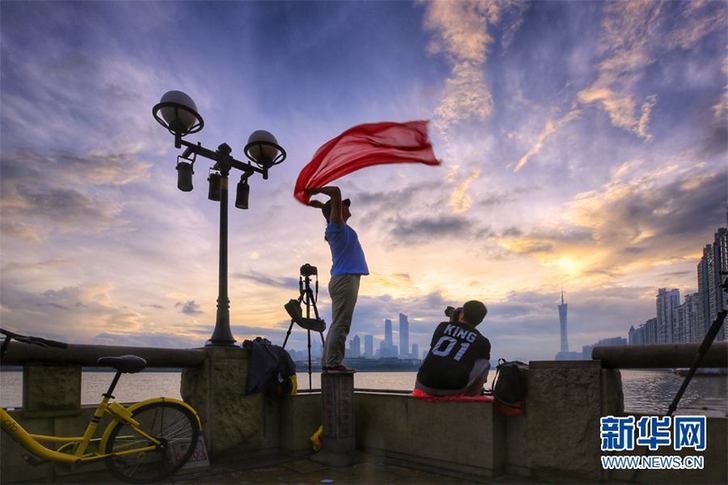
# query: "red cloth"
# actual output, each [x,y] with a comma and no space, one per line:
[363,146]
[419,393]
[506,410]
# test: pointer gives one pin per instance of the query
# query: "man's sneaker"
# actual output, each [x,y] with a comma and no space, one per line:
[337,368]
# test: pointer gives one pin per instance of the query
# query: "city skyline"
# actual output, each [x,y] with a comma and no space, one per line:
[583,147]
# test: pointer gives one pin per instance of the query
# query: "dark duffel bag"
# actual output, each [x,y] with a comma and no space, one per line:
[511,383]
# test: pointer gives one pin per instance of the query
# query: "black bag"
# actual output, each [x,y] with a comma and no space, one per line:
[270,369]
[511,384]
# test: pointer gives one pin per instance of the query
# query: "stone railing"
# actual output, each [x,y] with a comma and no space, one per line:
[51,401]
[557,438]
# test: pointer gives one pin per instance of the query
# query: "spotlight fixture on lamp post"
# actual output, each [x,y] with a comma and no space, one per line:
[178,113]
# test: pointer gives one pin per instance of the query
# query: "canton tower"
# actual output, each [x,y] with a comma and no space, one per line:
[562,319]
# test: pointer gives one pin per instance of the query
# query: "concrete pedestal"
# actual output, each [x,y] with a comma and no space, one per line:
[337,416]
[230,419]
[51,390]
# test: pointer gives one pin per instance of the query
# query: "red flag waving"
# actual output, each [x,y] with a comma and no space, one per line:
[363,146]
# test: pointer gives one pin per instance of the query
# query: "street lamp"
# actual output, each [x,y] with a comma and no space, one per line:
[178,113]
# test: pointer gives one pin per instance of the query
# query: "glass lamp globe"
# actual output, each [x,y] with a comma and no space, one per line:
[180,112]
[263,147]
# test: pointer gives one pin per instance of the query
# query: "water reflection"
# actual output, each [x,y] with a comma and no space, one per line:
[653,390]
[645,391]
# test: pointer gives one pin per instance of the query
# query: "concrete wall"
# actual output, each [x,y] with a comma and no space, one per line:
[557,439]
[300,417]
[564,407]
[216,389]
[461,437]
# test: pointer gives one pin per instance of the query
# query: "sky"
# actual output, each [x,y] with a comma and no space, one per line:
[583,148]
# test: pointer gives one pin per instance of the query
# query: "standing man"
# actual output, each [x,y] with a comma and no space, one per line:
[459,356]
[348,265]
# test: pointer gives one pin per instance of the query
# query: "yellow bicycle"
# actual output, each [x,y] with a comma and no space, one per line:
[145,442]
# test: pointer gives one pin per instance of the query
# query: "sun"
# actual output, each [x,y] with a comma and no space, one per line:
[569,266]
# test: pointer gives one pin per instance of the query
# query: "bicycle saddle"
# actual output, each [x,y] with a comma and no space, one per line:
[125,364]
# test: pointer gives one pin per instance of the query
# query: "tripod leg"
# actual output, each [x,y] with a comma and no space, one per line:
[288,334]
[312,301]
[309,360]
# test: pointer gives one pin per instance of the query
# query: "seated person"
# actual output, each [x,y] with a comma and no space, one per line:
[459,356]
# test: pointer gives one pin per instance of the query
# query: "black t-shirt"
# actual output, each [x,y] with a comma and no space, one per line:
[453,351]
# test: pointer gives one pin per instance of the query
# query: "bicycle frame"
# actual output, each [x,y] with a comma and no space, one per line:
[33,442]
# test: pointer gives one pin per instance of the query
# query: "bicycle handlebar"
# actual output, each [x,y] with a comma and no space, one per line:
[42,342]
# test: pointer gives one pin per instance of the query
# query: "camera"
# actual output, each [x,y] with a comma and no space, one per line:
[308,270]
[453,313]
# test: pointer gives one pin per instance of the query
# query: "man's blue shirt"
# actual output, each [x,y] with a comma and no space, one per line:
[346,252]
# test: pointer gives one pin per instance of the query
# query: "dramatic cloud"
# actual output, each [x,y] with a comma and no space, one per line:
[721,108]
[255,277]
[626,41]
[428,229]
[463,30]
[646,208]
[189,307]
[550,128]
[158,340]
[460,201]
[98,245]
[64,193]
[633,33]
[72,309]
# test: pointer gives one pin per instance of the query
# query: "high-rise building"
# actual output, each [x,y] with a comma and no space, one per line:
[403,336]
[651,331]
[695,318]
[712,297]
[388,332]
[718,297]
[368,346]
[680,324]
[562,321]
[704,270]
[387,347]
[635,335]
[387,351]
[611,342]
[666,301]
[415,351]
[355,347]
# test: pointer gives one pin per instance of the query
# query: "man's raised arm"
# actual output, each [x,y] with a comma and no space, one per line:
[334,194]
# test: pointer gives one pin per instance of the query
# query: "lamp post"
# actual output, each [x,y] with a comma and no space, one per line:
[178,113]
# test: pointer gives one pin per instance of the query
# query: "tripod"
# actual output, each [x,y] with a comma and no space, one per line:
[293,307]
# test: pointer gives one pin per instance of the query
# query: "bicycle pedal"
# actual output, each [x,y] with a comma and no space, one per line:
[33,460]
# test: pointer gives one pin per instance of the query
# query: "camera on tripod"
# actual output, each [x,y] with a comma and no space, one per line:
[306,320]
[308,270]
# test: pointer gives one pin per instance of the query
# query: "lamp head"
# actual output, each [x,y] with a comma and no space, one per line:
[178,113]
[263,149]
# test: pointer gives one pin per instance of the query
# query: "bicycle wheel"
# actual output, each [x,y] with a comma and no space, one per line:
[170,423]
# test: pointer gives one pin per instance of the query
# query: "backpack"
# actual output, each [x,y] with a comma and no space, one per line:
[270,368]
[511,385]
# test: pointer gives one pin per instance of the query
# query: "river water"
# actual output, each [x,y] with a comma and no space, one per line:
[644,390]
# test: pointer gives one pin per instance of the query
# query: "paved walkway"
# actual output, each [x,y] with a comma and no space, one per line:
[280,470]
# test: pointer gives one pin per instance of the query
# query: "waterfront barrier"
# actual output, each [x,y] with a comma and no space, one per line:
[557,439]
[659,356]
[87,355]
